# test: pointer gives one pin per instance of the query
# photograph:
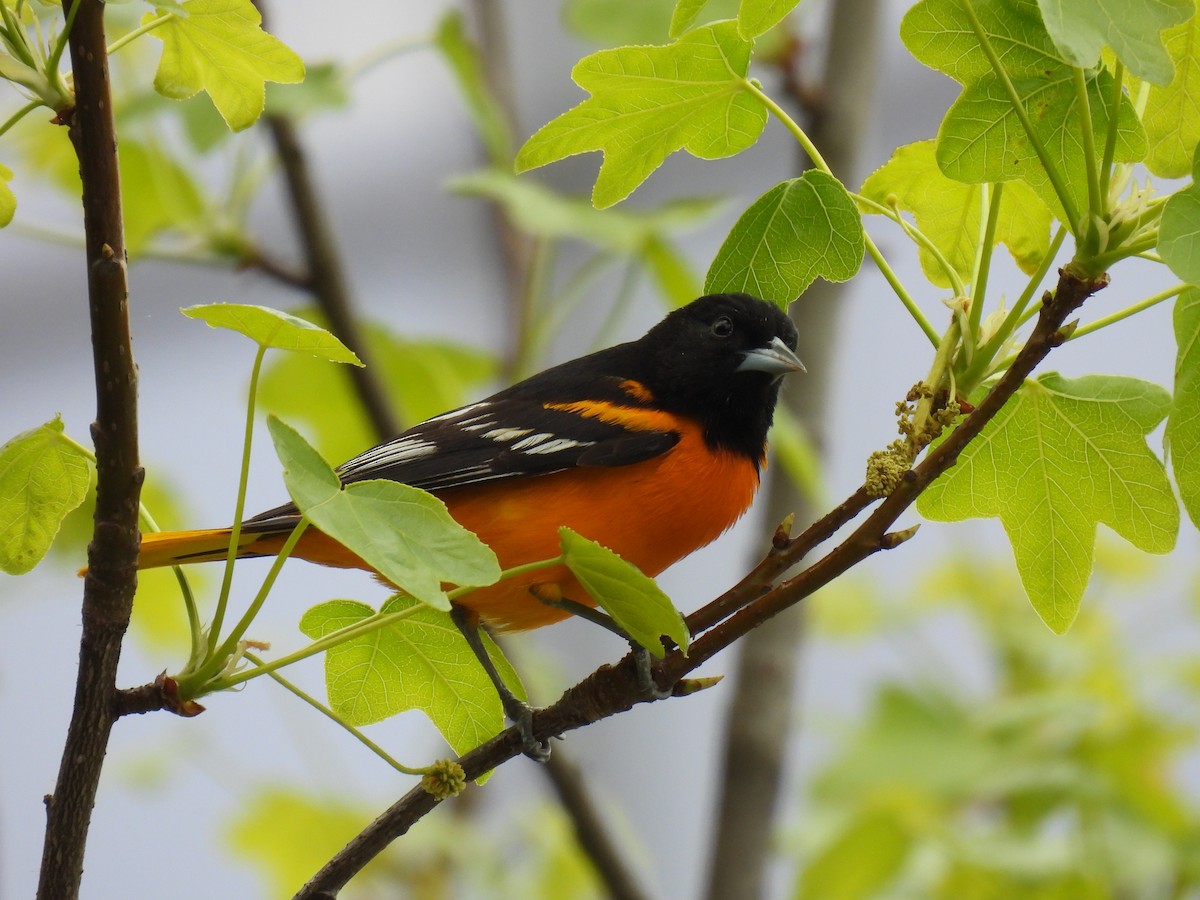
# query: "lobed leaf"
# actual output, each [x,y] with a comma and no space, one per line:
[1080,29]
[219,47]
[1182,436]
[8,200]
[272,328]
[948,212]
[648,102]
[1172,113]
[404,533]
[634,601]
[1179,230]
[757,17]
[800,229]
[420,662]
[981,138]
[1062,456]
[43,476]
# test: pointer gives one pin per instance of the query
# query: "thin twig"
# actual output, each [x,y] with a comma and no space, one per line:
[327,280]
[112,554]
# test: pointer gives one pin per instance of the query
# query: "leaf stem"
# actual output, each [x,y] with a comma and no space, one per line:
[1096,195]
[981,364]
[1110,137]
[239,509]
[359,628]
[334,717]
[1128,311]
[1052,173]
[138,32]
[983,259]
[819,162]
[918,237]
[60,46]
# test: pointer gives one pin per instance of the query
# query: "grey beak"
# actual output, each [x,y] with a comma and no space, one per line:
[777,359]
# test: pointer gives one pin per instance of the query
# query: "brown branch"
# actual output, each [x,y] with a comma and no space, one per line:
[325,275]
[762,715]
[112,554]
[613,689]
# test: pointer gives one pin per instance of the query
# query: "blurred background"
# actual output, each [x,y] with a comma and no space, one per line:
[940,740]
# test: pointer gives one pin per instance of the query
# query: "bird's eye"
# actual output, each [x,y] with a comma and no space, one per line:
[722,327]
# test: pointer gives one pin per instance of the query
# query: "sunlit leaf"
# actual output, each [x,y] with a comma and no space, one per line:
[272,328]
[1062,456]
[1172,115]
[220,48]
[648,102]
[43,476]
[634,601]
[801,229]
[1183,424]
[1179,230]
[860,861]
[420,661]
[282,832]
[8,200]
[756,17]
[948,212]
[404,533]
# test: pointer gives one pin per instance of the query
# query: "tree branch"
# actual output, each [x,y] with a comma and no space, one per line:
[326,278]
[613,689]
[112,554]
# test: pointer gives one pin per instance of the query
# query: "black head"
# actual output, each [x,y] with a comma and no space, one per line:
[719,360]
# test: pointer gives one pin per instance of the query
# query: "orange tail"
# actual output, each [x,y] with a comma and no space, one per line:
[172,548]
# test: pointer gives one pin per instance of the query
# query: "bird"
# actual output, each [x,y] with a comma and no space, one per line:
[652,448]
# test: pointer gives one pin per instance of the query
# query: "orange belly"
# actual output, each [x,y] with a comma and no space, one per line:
[651,513]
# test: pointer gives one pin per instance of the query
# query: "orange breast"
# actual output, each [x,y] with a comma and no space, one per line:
[651,513]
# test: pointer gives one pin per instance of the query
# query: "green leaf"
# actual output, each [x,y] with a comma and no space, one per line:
[861,861]
[1062,456]
[685,14]
[1172,115]
[163,194]
[8,200]
[948,212]
[420,662]
[43,476]
[648,102]
[272,328]
[1081,28]
[939,34]
[800,229]
[615,23]
[1183,424]
[634,601]
[281,832]
[463,58]
[220,48]
[982,140]
[404,533]
[324,88]
[1179,230]
[757,17]
[422,378]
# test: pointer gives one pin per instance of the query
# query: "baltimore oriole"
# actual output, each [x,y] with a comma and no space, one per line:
[652,448]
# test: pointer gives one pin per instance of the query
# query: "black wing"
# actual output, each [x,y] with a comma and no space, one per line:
[505,436]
